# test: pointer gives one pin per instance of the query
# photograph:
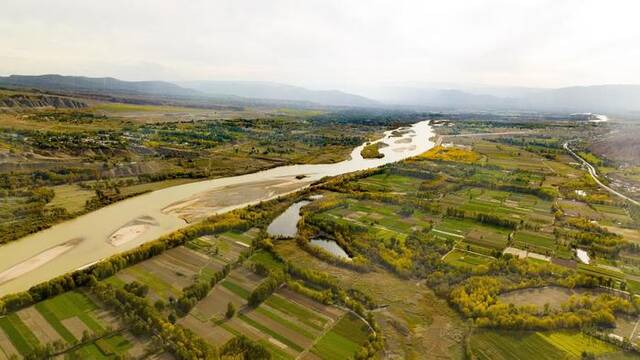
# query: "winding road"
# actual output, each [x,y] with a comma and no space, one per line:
[594,175]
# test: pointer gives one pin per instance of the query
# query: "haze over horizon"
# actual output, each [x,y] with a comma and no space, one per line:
[327,43]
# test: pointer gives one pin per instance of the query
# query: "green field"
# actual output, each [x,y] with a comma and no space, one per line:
[266,259]
[390,182]
[465,259]
[535,241]
[70,197]
[501,203]
[19,334]
[106,348]
[68,305]
[344,340]
[497,345]
[236,289]
[600,271]
[266,330]
[296,311]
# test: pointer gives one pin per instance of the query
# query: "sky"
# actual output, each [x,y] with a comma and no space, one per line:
[327,43]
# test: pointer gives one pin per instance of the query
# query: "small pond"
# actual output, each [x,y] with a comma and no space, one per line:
[286,224]
[332,247]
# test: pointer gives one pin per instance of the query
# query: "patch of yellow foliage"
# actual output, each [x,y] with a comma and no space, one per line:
[455,154]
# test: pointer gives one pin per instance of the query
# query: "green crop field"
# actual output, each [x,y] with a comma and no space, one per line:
[106,348]
[281,320]
[243,237]
[600,271]
[497,345]
[19,334]
[68,305]
[300,313]
[236,289]
[463,259]
[266,259]
[391,182]
[534,241]
[344,340]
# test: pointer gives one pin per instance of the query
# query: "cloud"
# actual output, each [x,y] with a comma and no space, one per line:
[329,42]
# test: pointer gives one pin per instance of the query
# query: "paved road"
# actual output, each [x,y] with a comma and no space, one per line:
[594,175]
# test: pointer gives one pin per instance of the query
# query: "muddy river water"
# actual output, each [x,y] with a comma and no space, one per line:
[129,223]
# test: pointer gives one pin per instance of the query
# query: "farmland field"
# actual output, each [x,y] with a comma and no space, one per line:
[495,345]
[535,241]
[343,340]
[67,319]
[469,251]
[286,323]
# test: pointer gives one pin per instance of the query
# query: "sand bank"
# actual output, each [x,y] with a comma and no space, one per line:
[37,260]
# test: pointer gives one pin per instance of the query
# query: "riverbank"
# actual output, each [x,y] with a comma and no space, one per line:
[190,202]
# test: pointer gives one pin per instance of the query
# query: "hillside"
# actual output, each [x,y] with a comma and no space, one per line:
[617,99]
[38,101]
[104,85]
[278,92]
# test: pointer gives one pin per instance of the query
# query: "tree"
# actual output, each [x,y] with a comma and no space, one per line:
[159,305]
[231,310]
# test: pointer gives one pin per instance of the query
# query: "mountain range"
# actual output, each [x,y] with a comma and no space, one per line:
[608,99]
[276,91]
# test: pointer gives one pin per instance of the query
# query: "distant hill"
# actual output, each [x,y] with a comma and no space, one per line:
[278,92]
[239,92]
[106,85]
[598,99]
[618,99]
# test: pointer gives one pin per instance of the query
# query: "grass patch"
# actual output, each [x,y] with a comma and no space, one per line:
[70,197]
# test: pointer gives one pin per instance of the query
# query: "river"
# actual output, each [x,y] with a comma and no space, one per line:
[127,224]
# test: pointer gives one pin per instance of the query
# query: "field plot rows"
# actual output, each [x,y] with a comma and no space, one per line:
[286,323]
[67,319]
